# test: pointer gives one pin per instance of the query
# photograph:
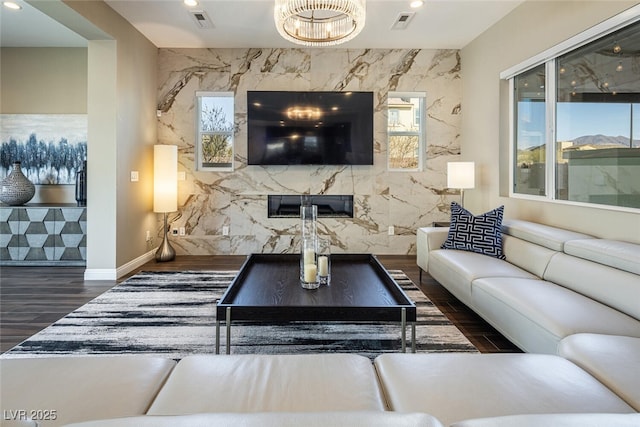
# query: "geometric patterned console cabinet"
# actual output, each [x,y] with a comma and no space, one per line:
[43,234]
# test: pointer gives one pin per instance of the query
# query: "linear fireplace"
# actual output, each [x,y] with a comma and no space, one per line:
[329,206]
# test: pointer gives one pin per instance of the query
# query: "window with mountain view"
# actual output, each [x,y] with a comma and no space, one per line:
[597,121]
[585,127]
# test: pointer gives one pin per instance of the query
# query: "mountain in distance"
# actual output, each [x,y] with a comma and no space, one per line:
[623,141]
[536,154]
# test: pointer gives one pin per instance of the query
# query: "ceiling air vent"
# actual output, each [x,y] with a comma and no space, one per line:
[201,19]
[402,21]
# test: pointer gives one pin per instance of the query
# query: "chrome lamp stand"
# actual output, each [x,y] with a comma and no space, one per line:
[165,251]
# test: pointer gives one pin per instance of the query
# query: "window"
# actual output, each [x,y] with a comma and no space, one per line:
[530,127]
[576,121]
[394,117]
[406,133]
[215,130]
[598,91]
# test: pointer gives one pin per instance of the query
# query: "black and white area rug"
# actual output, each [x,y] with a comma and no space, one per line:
[172,314]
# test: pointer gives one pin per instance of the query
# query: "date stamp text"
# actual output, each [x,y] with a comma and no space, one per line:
[29,414]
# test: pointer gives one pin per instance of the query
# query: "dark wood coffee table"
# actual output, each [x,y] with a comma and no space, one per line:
[267,289]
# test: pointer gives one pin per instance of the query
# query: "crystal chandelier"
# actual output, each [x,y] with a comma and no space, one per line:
[319,22]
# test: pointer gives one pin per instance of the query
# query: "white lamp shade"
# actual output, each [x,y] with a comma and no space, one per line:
[165,178]
[461,175]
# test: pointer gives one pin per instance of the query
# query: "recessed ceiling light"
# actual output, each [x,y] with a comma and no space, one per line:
[11,5]
[416,3]
[191,3]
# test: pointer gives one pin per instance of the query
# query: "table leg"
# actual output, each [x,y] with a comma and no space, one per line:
[413,337]
[403,317]
[228,330]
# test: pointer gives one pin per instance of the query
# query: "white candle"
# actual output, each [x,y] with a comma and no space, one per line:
[310,271]
[309,256]
[323,266]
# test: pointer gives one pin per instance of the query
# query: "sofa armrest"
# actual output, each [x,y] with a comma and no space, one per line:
[427,240]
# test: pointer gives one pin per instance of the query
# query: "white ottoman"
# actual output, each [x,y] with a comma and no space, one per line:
[270,383]
[60,390]
[456,387]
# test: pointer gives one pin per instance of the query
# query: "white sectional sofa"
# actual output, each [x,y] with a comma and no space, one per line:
[558,292]
[572,296]
[208,390]
[412,390]
[554,283]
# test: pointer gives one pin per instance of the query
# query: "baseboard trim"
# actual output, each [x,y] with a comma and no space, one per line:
[94,274]
[115,273]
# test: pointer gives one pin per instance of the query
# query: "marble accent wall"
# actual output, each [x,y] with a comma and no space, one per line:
[407,200]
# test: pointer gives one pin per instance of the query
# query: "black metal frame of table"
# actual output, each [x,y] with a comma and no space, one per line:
[267,289]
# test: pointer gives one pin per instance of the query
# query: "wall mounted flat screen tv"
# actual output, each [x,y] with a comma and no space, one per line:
[310,128]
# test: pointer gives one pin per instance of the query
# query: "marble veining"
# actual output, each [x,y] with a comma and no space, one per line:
[210,201]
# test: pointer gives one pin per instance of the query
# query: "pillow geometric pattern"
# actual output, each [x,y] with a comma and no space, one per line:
[481,234]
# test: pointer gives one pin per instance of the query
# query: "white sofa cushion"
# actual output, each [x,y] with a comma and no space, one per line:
[613,360]
[526,255]
[556,420]
[457,387]
[459,268]
[622,255]
[616,288]
[540,234]
[270,383]
[82,388]
[275,419]
[536,314]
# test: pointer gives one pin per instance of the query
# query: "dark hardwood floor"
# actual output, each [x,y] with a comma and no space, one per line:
[31,298]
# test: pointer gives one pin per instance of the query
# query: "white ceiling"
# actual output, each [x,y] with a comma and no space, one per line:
[249,23]
[29,27]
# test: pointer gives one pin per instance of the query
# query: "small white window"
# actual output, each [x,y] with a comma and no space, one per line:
[406,132]
[215,131]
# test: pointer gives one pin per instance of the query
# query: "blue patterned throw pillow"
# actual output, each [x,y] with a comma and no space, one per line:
[481,234]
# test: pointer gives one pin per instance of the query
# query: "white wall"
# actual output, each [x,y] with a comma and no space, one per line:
[122,132]
[102,166]
[530,29]
[47,80]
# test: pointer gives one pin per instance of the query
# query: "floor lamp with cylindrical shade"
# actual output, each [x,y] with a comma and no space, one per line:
[461,175]
[165,192]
